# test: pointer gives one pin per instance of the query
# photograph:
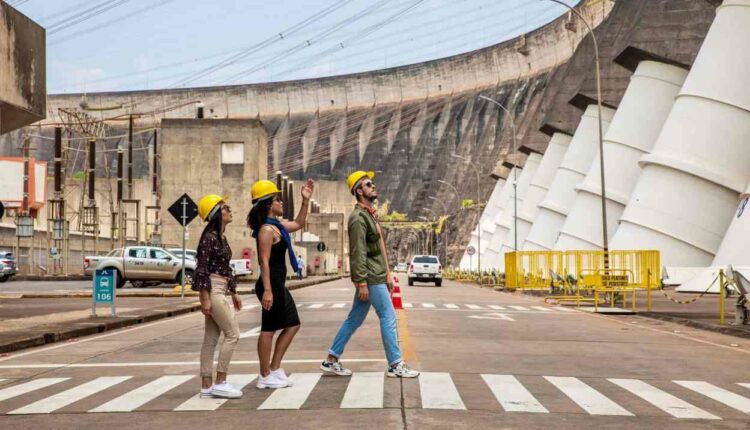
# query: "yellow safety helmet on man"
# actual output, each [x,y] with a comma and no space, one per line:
[357,176]
[207,204]
[263,188]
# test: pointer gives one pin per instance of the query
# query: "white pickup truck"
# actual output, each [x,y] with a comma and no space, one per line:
[240,266]
[141,265]
[425,268]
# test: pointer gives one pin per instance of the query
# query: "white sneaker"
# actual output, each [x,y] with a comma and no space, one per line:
[205,393]
[401,370]
[281,375]
[226,391]
[335,367]
[271,381]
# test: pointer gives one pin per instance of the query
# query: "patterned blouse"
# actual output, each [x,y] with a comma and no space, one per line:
[213,257]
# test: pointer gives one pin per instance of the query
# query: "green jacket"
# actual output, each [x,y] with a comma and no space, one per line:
[366,262]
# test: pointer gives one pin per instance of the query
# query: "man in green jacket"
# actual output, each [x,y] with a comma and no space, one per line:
[371,276]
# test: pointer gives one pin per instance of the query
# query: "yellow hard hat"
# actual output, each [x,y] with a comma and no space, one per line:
[263,188]
[352,180]
[207,204]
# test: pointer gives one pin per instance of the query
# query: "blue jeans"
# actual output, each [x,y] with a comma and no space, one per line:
[381,300]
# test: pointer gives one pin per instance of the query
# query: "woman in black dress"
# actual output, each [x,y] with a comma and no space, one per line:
[274,244]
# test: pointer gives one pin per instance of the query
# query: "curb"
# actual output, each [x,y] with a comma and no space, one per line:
[59,336]
[728,330]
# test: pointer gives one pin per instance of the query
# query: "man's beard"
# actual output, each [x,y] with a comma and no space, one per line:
[371,199]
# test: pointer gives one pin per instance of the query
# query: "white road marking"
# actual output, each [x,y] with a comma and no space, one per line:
[744,384]
[338,305]
[541,308]
[315,306]
[475,307]
[496,307]
[292,397]
[169,363]
[142,395]
[365,390]
[721,395]
[254,332]
[27,387]
[586,397]
[512,395]
[519,308]
[428,305]
[198,403]
[439,392]
[407,305]
[67,397]
[663,400]
[492,316]
[451,306]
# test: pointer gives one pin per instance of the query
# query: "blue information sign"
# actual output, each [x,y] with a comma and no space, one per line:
[104,289]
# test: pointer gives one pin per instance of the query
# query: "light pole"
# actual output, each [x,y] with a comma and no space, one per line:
[445,245]
[515,171]
[605,242]
[479,205]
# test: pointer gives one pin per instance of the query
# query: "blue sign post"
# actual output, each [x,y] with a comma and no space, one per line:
[103,290]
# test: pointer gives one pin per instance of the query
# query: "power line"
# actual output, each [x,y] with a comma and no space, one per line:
[85,15]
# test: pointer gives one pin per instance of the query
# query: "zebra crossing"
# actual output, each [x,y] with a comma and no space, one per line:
[367,390]
[445,306]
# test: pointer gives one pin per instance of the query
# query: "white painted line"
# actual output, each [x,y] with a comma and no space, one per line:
[198,403]
[365,391]
[512,395]
[428,305]
[338,305]
[744,384]
[496,307]
[315,306]
[492,316]
[721,395]
[474,307]
[590,400]
[254,332]
[299,304]
[27,387]
[67,397]
[566,309]
[292,397]
[519,308]
[439,392]
[168,363]
[249,307]
[663,400]
[451,306]
[407,305]
[541,308]
[142,395]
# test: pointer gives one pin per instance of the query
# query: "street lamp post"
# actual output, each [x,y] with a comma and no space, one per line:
[479,204]
[515,171]
[605,242]
[445,245]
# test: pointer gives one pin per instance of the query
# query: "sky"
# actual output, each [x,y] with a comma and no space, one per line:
[118,45]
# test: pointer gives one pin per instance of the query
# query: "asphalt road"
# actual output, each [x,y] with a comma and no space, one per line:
[489,360]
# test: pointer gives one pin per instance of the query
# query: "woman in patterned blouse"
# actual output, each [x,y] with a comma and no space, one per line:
[214,280]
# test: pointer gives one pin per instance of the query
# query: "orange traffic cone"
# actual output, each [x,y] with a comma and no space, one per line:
[396,296]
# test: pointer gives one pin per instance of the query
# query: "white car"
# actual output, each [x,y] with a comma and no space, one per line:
[400,267]
[425,268]
[240,266]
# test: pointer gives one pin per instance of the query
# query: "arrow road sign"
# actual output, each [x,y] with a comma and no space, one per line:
[190,209]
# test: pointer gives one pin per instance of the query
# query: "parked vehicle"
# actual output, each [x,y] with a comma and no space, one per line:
[401,267]
[240,266]
[425,268]
[141,265]
[8,266]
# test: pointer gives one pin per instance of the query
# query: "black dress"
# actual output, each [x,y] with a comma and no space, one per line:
[283,312]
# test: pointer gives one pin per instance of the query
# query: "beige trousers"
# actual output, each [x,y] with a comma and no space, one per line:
[223,319]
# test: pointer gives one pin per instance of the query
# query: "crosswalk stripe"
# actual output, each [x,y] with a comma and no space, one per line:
[512,395]
[451,306]
[744,384]
[519,308]
[428,305]
[315,306]
[563,308]
[662,400]
[142,395]
[496,307]
[365,390]
[60,400]
[198,403]
[473,307]
[586,397]
[338,305]
[541,308]
[439,392]
[27,387]
[407,305]
[292,397]
[721,395]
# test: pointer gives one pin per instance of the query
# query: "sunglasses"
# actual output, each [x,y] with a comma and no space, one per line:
[368,184]
[226,208]
[277,199]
